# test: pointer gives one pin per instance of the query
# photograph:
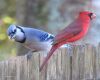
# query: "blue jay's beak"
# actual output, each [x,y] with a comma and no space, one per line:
[12,37]
[9,37]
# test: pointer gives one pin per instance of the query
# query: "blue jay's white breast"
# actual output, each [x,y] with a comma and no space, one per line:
[38,46]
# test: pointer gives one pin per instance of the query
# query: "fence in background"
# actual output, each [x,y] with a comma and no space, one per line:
[76,63]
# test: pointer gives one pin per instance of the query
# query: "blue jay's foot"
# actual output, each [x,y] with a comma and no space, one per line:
[29,55]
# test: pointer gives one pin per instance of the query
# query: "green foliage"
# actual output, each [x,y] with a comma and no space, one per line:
[7,17]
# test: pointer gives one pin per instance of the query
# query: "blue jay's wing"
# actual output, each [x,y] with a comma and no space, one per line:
[46,37]
[40,35]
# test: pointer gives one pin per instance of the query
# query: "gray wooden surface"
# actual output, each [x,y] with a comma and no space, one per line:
[76,63]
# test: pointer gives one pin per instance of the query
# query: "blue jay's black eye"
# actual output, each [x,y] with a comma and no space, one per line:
[15,30]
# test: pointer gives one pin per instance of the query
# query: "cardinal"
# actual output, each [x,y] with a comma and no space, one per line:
[73,32]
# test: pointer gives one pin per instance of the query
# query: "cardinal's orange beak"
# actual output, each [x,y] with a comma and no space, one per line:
[93,16]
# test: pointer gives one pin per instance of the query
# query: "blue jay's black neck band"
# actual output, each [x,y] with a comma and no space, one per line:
[24,39]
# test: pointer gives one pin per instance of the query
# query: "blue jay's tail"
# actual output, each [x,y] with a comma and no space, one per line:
[50,37]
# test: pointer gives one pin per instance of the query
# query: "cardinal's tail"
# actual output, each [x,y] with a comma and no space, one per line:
[54,47]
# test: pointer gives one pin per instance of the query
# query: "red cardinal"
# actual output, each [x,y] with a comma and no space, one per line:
[73,32]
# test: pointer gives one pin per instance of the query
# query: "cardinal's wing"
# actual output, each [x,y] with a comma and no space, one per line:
[70,31]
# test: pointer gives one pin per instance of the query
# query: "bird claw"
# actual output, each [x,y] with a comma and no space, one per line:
[29,55]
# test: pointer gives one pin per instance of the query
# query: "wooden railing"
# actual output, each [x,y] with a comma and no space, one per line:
[76,63]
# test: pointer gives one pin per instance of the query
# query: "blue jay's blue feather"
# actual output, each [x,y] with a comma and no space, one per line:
[46,37]
[31,38]
[36,34]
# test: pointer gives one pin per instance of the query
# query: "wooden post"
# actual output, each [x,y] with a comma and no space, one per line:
[77,63]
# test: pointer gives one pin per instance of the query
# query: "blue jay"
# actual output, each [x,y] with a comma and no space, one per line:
[33,39]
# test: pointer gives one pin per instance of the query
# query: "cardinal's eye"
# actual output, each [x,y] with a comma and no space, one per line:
[90,14]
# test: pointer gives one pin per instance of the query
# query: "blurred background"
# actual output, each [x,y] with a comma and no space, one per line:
[47,15]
